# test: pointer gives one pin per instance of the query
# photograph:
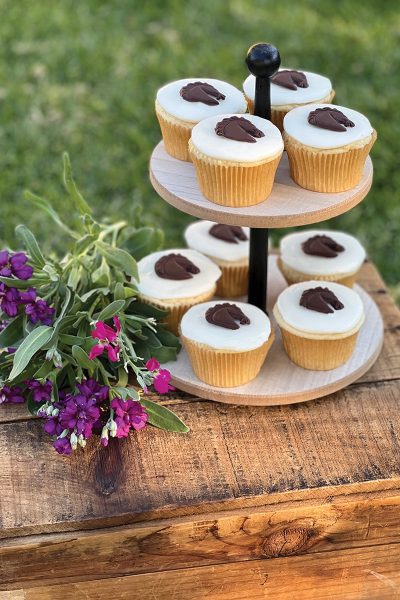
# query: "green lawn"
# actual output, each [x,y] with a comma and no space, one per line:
[81,76]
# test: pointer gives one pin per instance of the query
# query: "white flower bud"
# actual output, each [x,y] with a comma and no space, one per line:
[74,441]
[113,428]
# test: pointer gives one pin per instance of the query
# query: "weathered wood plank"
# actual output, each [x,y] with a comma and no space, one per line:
[233,457]
[358,574]
[221,538]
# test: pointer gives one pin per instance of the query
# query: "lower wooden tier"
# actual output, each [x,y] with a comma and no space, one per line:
[280,381]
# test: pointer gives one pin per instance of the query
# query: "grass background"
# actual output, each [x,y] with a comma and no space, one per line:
[82,76]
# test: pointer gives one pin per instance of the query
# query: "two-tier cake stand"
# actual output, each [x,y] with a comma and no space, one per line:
[280,381]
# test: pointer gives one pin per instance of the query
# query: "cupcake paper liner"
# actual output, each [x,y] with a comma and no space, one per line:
[326,170]
[225,368]
[176,137]
[233,281]
[292,276]
[231,184]
[178,308]
[318,355]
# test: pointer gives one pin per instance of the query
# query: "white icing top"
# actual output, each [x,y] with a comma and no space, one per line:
[208,142]
[318,88]
[197,236]
[297,126]
[172,102]
[195,327]
[304,319]
[347,261]
[152,285]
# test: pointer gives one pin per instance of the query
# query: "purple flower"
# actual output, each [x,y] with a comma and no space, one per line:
[90,388]
[9,300]
[15,264]
[52,426]
[129,413]
[63,446]
[41,391]
[11,395]
[37,310]
[80,413]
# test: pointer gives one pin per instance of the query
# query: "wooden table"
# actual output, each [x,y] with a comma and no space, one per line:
[293,502]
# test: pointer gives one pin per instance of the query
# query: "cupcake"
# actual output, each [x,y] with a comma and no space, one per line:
[236,158]
[319,325]
[226,343]
[320,256]
[226,245]
[290,89]
[175,280]
[181,104]
[327,146]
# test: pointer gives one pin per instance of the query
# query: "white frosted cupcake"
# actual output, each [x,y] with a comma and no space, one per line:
[319,323]
[226,245]
[175,280]
[320,255]
[289,89]
[227,343]
[236,158]
[327,146]
[181,104]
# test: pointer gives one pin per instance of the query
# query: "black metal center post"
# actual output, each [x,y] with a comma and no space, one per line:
[263,61]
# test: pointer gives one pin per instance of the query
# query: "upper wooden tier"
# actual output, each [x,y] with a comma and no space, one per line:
[289,205]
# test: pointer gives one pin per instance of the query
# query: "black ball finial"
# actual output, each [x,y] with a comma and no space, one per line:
[263,60]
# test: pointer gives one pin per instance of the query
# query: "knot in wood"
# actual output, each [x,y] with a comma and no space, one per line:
[287,541]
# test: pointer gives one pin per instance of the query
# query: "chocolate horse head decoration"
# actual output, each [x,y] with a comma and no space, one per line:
[329,118]
[322,245]
[228,233]
[290,79]
[226,315]
[238,129]
[175,267]
[321,300]
[199,91]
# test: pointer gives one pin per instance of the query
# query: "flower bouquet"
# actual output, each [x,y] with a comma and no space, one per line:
[73,333]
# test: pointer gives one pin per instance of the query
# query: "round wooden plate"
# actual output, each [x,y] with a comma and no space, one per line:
[288,206]
[280,381]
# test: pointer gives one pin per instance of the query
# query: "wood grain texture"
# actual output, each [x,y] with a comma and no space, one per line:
[181,543]
[280,381]
[289,205]
[360,574]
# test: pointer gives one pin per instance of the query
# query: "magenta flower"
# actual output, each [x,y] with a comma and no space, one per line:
[108,340]
[41,392]
[128,413]
[152,364]
[63,446]
[11,395]
[15,264]
[9,300]
[161,382]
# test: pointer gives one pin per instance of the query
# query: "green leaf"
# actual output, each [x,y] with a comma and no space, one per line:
[111,310]
[12,333]
[58,323]
[119,258]
[102,275]
[119,291]
[161,417]
[30,243]
[143,241]
[147,310]
[79,201]
[165,353]
[31,344]
[33,406]
[46,368]
[82,358]
[104,291]
[125,392]
[74,277]
[84,243]
[47,208]
[71,340]
[23,284]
